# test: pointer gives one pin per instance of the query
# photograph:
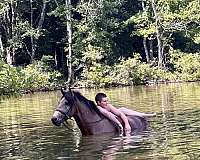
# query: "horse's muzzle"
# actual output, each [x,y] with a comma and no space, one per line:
[55,121]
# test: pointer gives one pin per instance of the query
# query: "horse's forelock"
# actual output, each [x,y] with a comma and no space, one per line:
[69,97]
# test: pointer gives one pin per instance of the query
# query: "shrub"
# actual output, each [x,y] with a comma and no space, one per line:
[186,65]
[33,77]
[30,78]
[125,73]
[11,78]
[97,75]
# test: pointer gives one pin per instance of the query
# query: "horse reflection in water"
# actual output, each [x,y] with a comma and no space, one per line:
[87,116]
[108,146]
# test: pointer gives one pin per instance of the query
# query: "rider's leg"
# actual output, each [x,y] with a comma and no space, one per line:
[127,111]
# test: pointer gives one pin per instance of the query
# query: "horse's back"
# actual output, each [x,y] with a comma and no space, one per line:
[104,126]
[138,123]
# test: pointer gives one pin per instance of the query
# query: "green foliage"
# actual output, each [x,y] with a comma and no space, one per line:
[132,71]
[30,78]
[93,54]
[11,78]
[126,72]
[94,33]
[97,76]
[169,17]
[105,35]
[44,74]
[15,79]
[186,66]
[60,11]
[33,78]
[47,63]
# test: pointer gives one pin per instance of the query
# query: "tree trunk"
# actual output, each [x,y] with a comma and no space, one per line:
[69,34]
[40,23]
[158,35]
[146,49]
[32,38]
[42,16]
[151,48]
[1,48]
[144,38]
[10,51]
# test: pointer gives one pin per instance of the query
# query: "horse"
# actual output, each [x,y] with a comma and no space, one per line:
[88,117]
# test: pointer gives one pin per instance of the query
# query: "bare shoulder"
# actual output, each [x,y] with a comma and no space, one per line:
[110,106]
[113,109]
[101,109]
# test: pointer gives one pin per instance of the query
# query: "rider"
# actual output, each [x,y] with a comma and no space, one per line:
[111,112]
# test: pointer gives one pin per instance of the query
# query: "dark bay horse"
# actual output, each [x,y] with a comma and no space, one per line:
[88,117]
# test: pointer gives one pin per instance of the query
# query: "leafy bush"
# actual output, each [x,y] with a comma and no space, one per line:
[186,65]
[98,75]
[131,71]
[33,78]
[125,73]
[11,78]
[128,72]
[46,63]
[30,78]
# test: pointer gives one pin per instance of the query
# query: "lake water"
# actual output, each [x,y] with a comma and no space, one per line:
[26,131]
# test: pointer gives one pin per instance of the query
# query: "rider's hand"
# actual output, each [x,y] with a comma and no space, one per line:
[127,128]
[121,129]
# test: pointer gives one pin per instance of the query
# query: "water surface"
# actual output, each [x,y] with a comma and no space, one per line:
[26,131]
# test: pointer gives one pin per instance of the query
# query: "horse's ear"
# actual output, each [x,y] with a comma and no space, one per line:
[71,92]
[63,91]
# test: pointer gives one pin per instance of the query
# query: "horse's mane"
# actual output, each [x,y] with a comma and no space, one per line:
[88,103]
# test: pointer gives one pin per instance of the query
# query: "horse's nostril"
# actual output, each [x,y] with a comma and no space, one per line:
[54,120]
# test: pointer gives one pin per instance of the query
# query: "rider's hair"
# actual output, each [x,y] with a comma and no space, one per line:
[99,96]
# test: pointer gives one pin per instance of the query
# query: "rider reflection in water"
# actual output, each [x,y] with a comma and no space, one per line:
[111,112]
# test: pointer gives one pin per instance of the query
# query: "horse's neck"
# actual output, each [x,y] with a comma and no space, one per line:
[85,117]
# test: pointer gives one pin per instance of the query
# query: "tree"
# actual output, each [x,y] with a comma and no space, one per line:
[158,35]
[38,28]
[15,29]
[1,48]
[69,34]
[145,38]
[161,19]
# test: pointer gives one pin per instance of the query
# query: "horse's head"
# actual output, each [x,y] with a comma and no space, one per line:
[65,109]
[84,111]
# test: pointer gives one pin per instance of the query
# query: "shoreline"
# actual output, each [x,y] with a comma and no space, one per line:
[49,89]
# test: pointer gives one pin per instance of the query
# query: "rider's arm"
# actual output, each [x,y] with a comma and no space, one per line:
[111,116]
[121,115]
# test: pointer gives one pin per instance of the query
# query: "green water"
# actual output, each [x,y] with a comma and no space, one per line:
[27,133]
